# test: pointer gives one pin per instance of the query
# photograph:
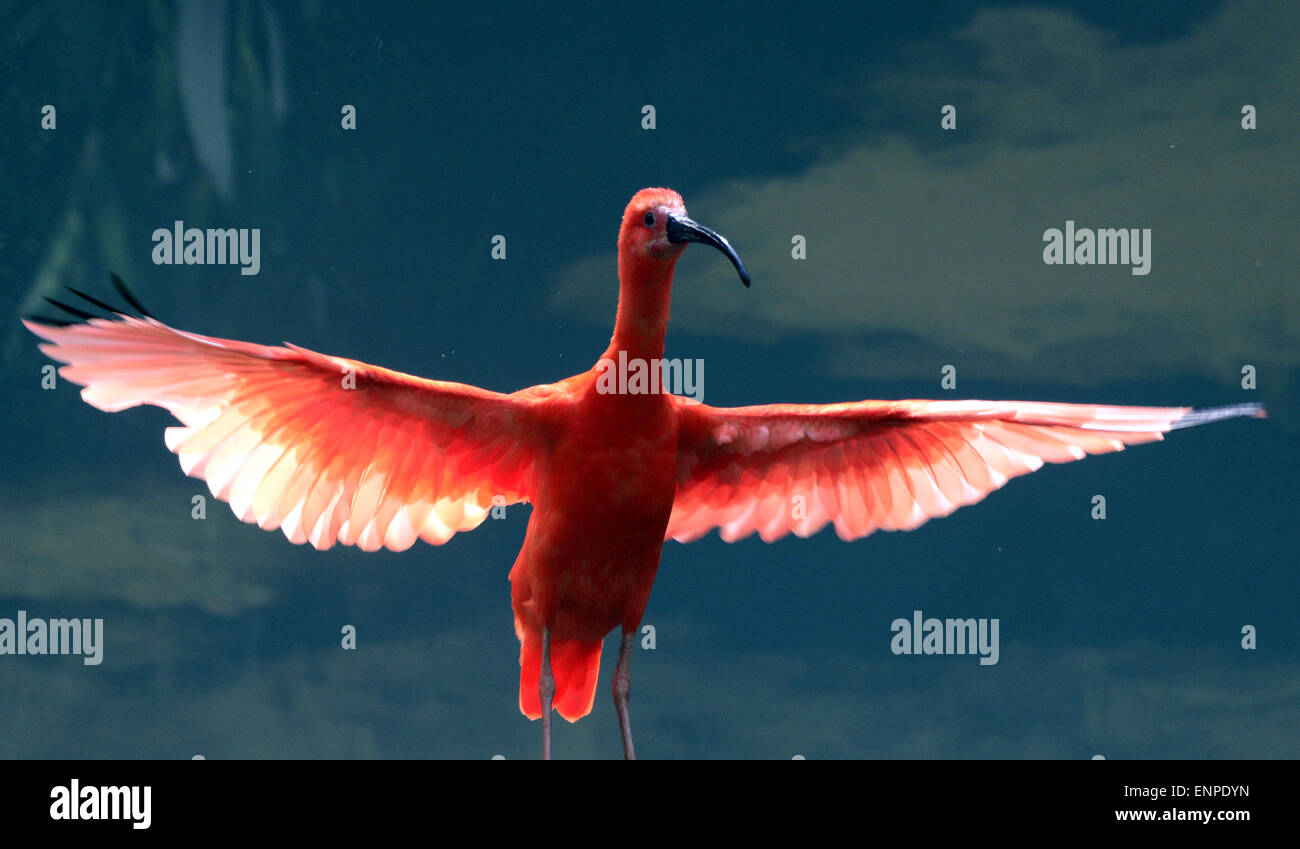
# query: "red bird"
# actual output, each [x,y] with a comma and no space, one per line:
[334,450]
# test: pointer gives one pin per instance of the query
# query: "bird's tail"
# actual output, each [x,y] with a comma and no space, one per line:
[575,665]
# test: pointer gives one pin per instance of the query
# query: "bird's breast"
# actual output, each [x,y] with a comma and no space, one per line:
[594,539]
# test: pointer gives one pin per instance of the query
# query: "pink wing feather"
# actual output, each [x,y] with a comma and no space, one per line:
[278,433]
[887,465]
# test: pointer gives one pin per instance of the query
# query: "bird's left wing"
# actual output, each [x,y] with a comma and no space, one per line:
[326,449]
[792,468]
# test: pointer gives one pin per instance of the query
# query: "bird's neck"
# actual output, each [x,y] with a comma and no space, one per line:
[643,299]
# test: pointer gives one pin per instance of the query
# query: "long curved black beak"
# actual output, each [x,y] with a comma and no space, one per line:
[682,229]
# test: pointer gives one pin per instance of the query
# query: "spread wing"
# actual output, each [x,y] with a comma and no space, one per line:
[324,448]
[793,468]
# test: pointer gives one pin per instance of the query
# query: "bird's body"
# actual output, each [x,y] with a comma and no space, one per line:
[592,547]
[334,450]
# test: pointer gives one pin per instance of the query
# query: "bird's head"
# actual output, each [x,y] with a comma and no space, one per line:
[655,226]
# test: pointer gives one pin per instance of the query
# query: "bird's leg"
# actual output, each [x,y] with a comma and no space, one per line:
[623,689]
[546,687]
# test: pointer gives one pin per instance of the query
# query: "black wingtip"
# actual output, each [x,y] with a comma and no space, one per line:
[83,315]
[69,309]
[50,322]
[92,300]
[1207,415]
[126,293]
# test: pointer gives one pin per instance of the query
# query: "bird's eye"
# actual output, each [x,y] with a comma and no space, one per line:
[649,219]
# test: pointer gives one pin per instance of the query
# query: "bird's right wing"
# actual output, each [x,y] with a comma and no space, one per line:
[324,448]
[891,465]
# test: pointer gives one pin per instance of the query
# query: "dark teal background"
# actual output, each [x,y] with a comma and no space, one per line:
[1118,637]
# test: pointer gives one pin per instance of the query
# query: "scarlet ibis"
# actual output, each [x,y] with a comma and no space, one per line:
[332,450]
